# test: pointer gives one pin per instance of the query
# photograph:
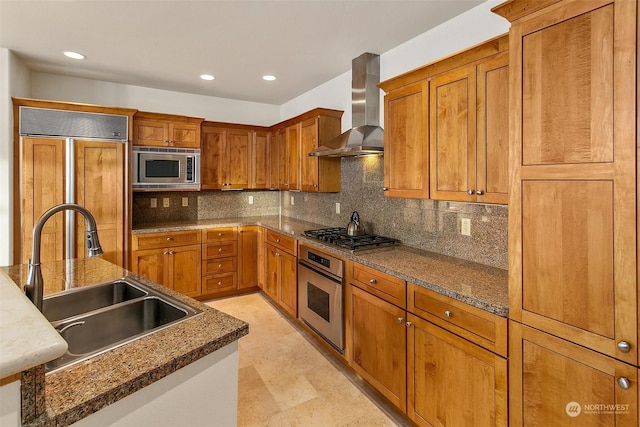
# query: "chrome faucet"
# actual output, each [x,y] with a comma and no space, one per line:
[34,287]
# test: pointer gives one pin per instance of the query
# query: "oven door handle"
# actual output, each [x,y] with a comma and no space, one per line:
[303,264]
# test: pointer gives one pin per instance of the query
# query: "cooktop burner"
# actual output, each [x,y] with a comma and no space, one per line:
[338,236]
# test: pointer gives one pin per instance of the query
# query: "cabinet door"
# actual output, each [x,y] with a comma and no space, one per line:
[185,269]
[275,145]
[293,156]
[452,381]
[553,382]
[150,132]
[184,135]
[379,344]
[260,160]
[406,152]
[492,163]
[43,161]
[288,293]
[152,264]
[248,257]
[212,158]
[572,209]
[272,273]
[238,160]
[283,160]
[100,187]
[308,165]
[452,135]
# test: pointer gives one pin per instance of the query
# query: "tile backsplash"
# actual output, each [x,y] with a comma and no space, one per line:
[425,224]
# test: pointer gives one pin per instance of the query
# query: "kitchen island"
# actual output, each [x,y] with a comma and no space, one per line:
[184,374]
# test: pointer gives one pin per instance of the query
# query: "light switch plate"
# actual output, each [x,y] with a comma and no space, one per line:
[337,208]
[185,201]
[154,202]
[250,200]
[465,228]
[293,201]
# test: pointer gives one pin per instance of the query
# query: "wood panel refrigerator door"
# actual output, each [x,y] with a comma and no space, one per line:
[452,135]
[100,187]
[451,381]
[379,344]
[572,211]
[43,180]
[553,382]
[406,148]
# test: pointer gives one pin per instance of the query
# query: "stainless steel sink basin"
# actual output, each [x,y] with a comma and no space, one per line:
[82,300]
[117,313]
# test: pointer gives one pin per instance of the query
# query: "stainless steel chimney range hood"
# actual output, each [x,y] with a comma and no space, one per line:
[366,136]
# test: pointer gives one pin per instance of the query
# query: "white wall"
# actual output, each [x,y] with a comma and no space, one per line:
[462,32]
[72,89]
[14,81]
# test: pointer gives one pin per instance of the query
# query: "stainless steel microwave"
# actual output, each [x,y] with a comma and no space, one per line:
[165,168]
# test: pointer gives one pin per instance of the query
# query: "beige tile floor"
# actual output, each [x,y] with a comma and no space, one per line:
[285,379]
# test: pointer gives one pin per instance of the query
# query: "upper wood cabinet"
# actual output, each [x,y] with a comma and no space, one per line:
[406,149]
[289,158]
[260,157]
[226,158]
[468,122]
[572,208]
[165,130]
[274,158]
[319,174]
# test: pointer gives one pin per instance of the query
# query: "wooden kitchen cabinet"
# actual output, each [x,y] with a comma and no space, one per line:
[260,157]
[319,174]
[468,141]
[165,130]
[553,382]
[219,260]
[275,145]
[377,341]
[406,142]
[248,256]
[281,265]
[226,158]
[572,207]
[452,381]
[289,158]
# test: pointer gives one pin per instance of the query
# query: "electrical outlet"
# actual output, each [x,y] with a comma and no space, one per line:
[154,202]
[165,202]
[465,229]
[337,208]
[250,200]
[293,201]
[185,201]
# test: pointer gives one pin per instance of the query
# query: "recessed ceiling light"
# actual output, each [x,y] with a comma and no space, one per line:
[206,77]
[269,78]
[74,55]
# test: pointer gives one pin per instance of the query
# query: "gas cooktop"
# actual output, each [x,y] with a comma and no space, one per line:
[338,236]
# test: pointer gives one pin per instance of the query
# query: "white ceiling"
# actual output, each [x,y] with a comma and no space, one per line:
[167,44]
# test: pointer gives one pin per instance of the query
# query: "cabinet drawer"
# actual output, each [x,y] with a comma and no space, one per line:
[479,326]
[389,288]
[286,243]
[219,266]
[164,240]
[219,250]
[219,283]
[221,234]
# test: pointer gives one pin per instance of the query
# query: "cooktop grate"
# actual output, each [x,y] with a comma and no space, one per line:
[338,236]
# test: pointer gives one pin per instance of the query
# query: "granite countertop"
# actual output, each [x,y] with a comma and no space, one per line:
[475,284]
[76,391]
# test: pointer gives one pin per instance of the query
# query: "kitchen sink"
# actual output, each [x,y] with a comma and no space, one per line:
[82,300]
[116,313]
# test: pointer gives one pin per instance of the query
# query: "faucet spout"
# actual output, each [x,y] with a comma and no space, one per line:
[34,287]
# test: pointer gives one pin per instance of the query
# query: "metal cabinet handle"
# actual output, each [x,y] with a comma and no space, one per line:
[169,239]
[624,383]
[479,192]
[220,250]
[277,253]
[470,192]
[385,188]
[219,234]
[373,281]
[448,313]
[219,265]
[277,240]
[219,282]
[409,324]
[624,346]
[400,319]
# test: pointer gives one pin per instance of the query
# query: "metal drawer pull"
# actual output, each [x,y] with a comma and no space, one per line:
[409,324]
[624,346]
[400,319]
[219,282]
[219,234]
[219,265]
[448,313]
[470,192]
[219,249]
[479,192]
[277,240]
[624,383]
[373,281]
[169,239]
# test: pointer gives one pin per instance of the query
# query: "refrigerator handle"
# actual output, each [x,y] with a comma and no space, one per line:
[70,196]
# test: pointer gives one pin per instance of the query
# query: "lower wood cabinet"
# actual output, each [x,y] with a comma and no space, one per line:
[247,257]
[177,268]
[553,382]
[281,282]
[451,381]
[378,341]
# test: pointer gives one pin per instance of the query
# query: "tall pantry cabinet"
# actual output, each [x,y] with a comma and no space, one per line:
[572,212]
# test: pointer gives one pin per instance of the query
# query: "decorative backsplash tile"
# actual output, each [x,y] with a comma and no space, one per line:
[425,224]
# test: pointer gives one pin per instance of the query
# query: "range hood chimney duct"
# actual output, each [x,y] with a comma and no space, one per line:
[366,136]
